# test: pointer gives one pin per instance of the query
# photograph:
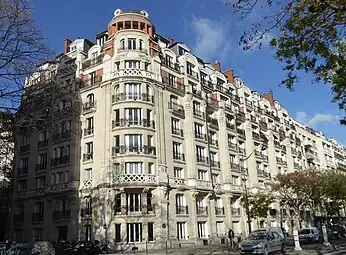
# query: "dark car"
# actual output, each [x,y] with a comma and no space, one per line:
[36,248]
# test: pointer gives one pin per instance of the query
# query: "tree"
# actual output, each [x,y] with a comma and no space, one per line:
[259,204]
[22,47]
[298,190]
[334,186]
[308,35]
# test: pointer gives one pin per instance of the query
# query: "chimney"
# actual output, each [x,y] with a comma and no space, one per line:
[171,41]
[67,43]
[217,66]
[269,96]
[229,76]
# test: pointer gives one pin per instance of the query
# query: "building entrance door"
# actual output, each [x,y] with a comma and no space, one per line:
[62,233]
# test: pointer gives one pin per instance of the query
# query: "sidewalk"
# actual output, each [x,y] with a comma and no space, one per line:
[326,250]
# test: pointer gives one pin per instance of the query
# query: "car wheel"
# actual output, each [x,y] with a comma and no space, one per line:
[283,249]
[265,250]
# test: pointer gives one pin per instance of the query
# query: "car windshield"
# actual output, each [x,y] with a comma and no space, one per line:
[304,231]
[20,250]
[258,235]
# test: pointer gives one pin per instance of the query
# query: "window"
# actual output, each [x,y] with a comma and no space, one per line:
[133,142]
[117,233]
[89,147]
[151,168]
[37,234]
[171,79]
[90,123]
[134,232]
[92,78]
[199,130]
[39,208]
[232,159]
[220,228]
[43,136]
[21,185]
[169,61]
[18,235]
[189,68]
[133,167]
[216,178]
[197,107]
[132,64]
[202,232]
[94,58]
[131,43]
[24,164]
[213,157]
[180,200]
[42,161]
[132,89]
[150,231]
[134,202]
[87,174]
[176,150]
[40,182]
[202,175]
[141,44]
[122,44]
[90,98]
[235,180]
[133,115]
[200,153]
[175,126]
[178,172]
[182,230]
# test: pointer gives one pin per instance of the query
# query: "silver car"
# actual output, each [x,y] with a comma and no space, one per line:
[263,242]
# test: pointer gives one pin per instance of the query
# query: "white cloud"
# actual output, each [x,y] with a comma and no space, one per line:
[212,42]
[317,119]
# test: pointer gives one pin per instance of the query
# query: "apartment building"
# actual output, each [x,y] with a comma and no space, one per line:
[139,141]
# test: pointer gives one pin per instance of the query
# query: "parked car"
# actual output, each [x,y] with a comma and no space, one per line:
[37,248]
[309,235]
[264,242]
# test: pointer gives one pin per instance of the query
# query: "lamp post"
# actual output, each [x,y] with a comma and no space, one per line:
[246,194]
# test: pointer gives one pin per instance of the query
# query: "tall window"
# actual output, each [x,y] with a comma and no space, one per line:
[132,64]
[202,175]
[202,231]
[118,233]
[132,89]
[37,234]
[134,141]
[87,174]
[141,46]
[131,43]
[133,114]
[198,130]
[89,147]
[134,232]
[40,182]
[189,68]
[39,208]
[150,231]
[200,153]
[180,200]
[90,123]
[133,167]
[175,126]
[182,230]
[176,150]
[134,202]
[178,172]
[122,44]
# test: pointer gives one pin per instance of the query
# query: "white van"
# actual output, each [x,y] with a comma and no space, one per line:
[309,235]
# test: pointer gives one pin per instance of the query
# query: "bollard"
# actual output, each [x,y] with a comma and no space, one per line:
[146,247]
[296,240]
[325,235]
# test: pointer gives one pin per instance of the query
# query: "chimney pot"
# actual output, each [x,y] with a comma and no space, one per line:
[67,43]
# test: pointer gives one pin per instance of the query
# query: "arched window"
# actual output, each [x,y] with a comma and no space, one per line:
[90,98]
[122,44]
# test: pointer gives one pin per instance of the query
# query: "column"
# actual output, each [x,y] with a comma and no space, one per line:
[192,226]
[190,154]
[211,216]
[161,198]
[226,202]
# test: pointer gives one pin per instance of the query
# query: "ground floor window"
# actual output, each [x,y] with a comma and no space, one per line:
[202,233]
[134,232]
[18,235]
[150,231]
[37,234]
[181,230]
[118,233]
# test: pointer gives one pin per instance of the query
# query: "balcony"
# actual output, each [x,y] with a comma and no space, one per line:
[199,114]
[237,188]
[41,167]
[176,181]
[232,146]
[241,133]
[89,106]
[235,166]
[59,137]
[24,148]
[231,126]
[88,63]
[37,217]
[125,97]
[42,144]
[134,210]
[200,136]
[249,104]
[263,126]
[201,210]
[133,123]
[62,215]
[170,65]
[88,156]
[60,161]
[279,160]
[176,109]
[88,131]
[202,159]
[215,164]
[86,212]
[182,210]
[235,211]
[219,211]
[253,119]
[22,171]
[19,218]
[178,132]
[212,122]
[192,74]
[96,81]
[222,89]
[213,142]
[178,156]
[241,116]
[235,98]
[134,179]
[135,73]
[144,150]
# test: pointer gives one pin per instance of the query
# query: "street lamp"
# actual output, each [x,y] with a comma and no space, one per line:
[246,195]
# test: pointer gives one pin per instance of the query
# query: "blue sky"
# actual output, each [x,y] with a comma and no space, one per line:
[212,31]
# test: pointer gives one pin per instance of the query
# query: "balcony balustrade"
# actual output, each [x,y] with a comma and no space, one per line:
[241,132]
[141,97]
[145,150]
[176,181]
[232,146]
[132,210]
[215,164]
[88,106]
[198,113]
[173,66]
[182,210]
[241,116]
[133,122]
[200,136]
[177,131]
[231,126]
[201,210]
[202,159]
[134,179]
[213,142]
[135,73]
